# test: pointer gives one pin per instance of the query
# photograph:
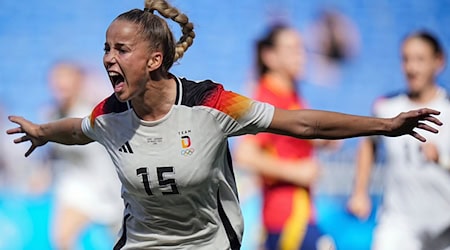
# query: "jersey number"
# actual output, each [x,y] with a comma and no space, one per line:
[162,182]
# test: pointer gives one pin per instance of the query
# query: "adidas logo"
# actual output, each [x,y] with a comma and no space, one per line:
[126,148]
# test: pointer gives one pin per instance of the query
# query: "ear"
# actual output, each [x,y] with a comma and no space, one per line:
[440,63]
[155,61]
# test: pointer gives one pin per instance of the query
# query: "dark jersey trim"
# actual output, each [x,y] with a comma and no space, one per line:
[230,166]
[199,93]
[231,234]
[179,90]
[108,105]
[123,239]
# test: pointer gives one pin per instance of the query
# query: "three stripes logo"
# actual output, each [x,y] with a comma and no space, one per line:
[126,148]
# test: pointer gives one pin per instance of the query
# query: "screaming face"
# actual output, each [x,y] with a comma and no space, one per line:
[126,58]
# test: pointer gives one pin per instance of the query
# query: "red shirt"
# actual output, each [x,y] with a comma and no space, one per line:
[278,196]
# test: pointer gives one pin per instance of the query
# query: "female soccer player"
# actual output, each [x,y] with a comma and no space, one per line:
[416,201]
[168,136]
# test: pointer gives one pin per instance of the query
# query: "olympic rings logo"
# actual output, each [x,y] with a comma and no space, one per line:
[187,152]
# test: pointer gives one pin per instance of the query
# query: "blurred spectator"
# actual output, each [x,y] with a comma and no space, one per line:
[286,165]
[86,186]
[332,40]
[416,203]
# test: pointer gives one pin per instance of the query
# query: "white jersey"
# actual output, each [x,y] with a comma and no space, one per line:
[416,188]
[177,178]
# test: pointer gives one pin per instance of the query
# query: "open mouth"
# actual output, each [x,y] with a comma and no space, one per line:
[117,80]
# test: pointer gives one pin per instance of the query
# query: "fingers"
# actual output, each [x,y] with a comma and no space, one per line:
[30,150]
[14,130]
[21,139]
[427,114]
[418,136]
[427,111]
[433,120]
[16,119]
[21,122]
[427,127]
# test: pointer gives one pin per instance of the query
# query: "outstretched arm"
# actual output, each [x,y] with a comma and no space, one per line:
[316,124]
[65,131]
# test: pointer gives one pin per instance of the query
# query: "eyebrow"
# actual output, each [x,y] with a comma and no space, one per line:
[115,45]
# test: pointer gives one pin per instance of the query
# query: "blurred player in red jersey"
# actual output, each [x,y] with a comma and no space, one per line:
[287,165]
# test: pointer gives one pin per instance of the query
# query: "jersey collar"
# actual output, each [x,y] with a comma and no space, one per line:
[179,90]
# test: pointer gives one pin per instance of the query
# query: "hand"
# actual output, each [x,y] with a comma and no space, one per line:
[360,206]
[406,122]
[30,130]
[305,172]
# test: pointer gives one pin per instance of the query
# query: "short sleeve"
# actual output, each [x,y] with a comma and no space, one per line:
[88,128]
[238,114]
[90,124]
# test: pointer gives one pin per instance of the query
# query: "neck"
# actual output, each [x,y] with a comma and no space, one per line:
[284,83]
[424,96]
[156,100]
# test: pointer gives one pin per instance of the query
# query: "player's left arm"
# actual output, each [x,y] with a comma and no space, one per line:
[316,124]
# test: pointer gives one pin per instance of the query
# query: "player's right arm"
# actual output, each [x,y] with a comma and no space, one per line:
[359,203]
[65,131]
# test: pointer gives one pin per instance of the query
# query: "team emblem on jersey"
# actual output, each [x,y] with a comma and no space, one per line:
[186,146]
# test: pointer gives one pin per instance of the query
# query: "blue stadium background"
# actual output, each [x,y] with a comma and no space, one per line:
[34,34]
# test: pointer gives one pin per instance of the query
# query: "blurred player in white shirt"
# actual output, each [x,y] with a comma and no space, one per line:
[416,203]
[86,188]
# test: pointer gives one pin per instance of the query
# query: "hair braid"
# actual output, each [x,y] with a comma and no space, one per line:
[187,28]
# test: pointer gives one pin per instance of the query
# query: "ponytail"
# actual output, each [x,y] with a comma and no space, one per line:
[187,28]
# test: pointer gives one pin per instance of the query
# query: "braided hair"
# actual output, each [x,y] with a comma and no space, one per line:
[156,30]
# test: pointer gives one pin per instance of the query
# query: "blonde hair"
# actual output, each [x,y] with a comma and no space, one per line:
[187,28]
[156,31]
